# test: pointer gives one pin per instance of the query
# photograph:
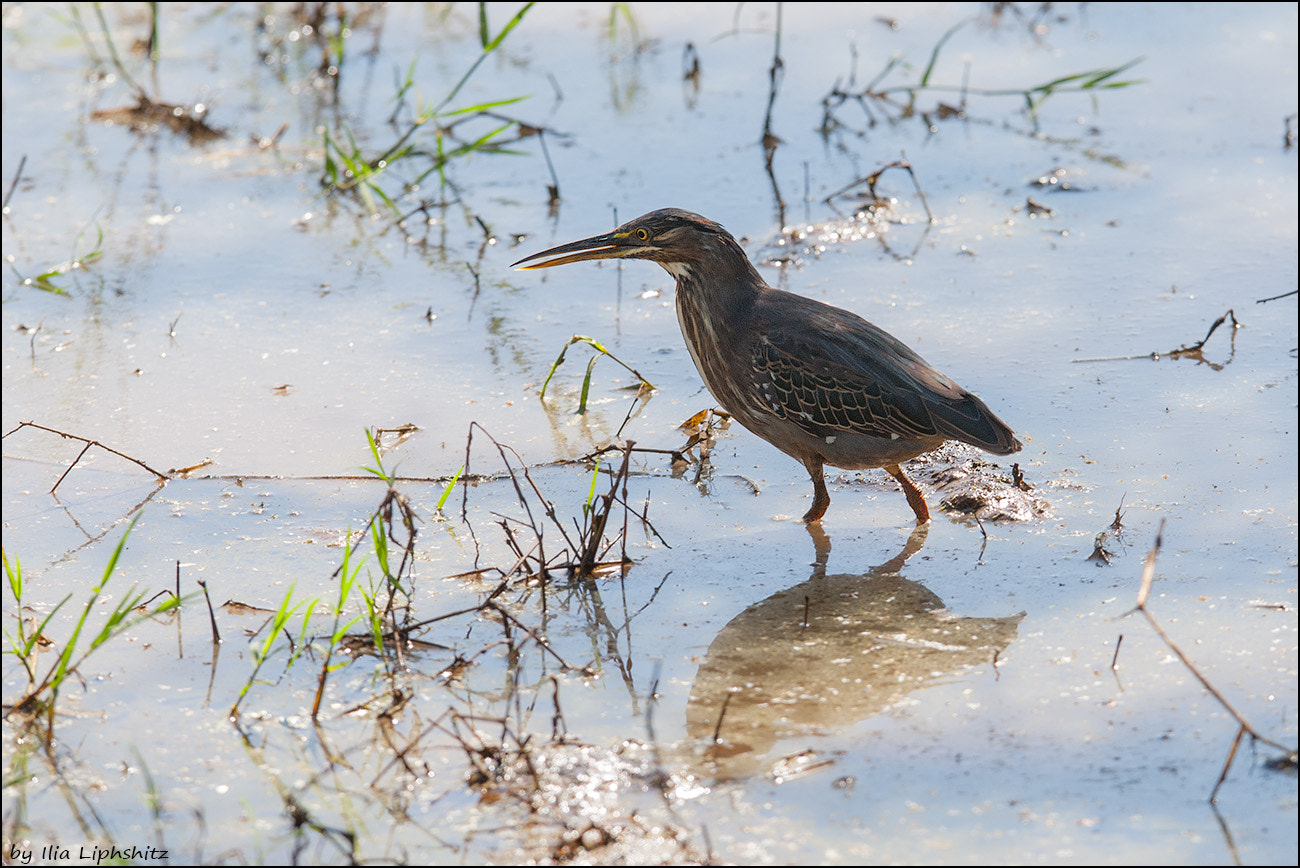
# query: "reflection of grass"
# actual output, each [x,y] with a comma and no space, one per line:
[45,280]
[262,650]
[347,169]
[347,580]
[388,730]
[25,646]
[625,11]
[379,602]
[642,382]
[1091,82]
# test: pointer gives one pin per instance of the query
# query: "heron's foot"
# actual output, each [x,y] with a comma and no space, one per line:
[915,498]
[821,498]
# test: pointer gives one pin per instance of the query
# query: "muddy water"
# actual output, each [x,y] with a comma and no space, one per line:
[894,699]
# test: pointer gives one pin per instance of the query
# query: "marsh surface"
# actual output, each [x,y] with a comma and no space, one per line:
[944,698]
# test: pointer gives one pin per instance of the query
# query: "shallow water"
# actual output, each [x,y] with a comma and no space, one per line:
[239,314]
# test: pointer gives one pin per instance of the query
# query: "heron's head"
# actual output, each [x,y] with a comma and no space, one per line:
[676,239]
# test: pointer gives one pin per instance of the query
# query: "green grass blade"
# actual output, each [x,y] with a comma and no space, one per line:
[487,49]
[446,492]
[586,386]
[934,55]
[511,25]
[14,573]
[591,494]
[65,657]
[482,107]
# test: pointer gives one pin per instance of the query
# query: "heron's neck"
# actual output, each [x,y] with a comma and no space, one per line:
[716,295]
[719,284]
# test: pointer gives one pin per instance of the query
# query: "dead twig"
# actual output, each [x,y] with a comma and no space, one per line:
[1100,553]
[770,140]
[13,185]
[1144,594]
[89,443]
[1276,297]
[871,180]
[1192,350]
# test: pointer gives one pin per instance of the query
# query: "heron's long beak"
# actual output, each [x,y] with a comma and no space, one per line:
[611,245]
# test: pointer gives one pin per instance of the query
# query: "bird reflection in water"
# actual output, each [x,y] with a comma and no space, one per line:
[827,653]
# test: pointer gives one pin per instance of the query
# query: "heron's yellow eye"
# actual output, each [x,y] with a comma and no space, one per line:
[642,235]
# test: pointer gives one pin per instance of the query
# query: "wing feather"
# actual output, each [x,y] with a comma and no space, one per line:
[829,372]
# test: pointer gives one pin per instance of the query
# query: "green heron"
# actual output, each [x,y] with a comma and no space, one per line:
[819,383]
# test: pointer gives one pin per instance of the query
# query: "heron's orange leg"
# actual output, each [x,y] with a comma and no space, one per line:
[821,499]
[915,498]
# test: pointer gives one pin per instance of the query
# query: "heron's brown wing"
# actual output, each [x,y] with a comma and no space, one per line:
[828,370]
[825,399]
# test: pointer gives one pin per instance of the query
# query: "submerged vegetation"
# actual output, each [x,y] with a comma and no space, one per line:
[886,97]
[378,615]
[372,666]
[347,170]
[26,642]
